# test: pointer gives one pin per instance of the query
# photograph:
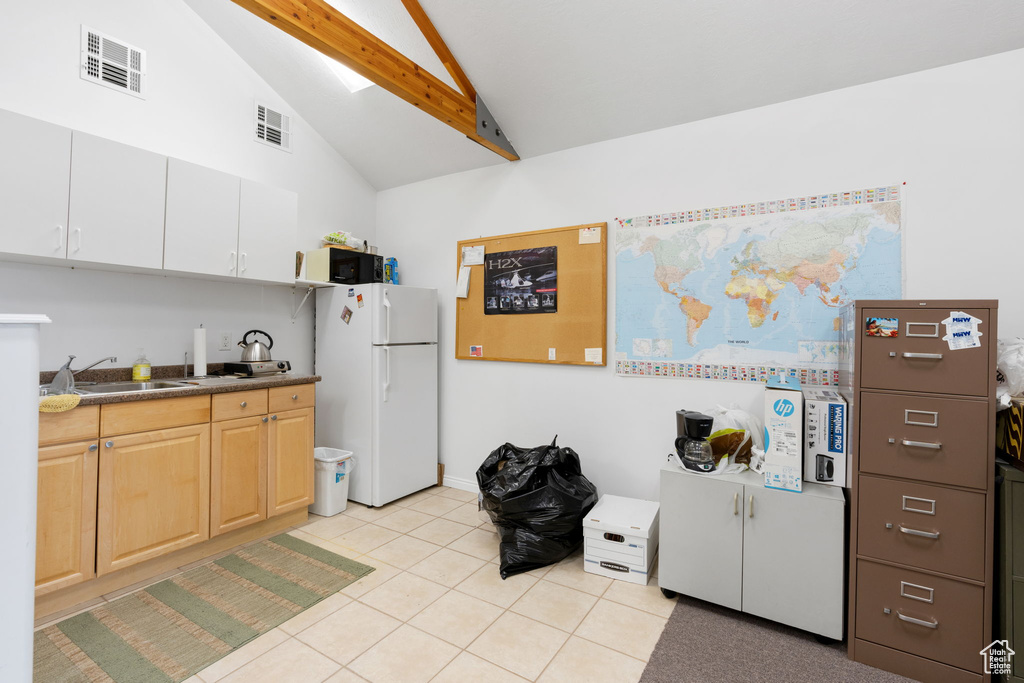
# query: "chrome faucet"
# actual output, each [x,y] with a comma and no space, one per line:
[112,359]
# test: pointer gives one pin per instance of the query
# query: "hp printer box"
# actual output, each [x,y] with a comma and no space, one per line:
[783,434]
[826,456]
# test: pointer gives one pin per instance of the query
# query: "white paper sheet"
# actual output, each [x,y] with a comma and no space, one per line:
[462,286]
[473,256]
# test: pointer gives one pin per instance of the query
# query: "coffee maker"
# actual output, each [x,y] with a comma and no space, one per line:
[692,446]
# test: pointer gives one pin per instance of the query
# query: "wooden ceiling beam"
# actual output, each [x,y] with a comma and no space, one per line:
[436,42]
[326,30]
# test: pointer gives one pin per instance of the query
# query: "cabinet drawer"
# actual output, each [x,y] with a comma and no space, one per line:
[919,360]
[239,404]
[929,526]
[942,440]
[143,416]
[929,616]
[73,425]
[292,397]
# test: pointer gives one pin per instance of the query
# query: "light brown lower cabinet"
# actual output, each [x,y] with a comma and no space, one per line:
[66,517]
[154,495]
[290,463]
[238,473]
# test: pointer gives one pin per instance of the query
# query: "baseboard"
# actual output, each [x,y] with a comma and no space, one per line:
[462,484]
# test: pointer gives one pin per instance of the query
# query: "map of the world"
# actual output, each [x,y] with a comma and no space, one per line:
[763,288]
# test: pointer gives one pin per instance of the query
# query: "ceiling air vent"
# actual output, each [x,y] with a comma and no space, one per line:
[113,63]
[273,128]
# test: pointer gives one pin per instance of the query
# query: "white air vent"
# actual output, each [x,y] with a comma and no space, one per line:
[113,63]
[273,128]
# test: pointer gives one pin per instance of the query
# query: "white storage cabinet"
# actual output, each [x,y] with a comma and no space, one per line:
[775,554]
[620,538]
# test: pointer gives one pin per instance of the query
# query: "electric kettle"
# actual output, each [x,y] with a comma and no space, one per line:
[254,351]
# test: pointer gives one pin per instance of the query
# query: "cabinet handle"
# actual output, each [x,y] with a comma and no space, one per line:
[243,261]
[915,532]
[264,419]
[920,622]
[60,237]
[934,445]
[751,513]
[735,503]
[93,447]
[244,404]
[78,232]
[925,356]
[234,260]
[273,417]
[295,397]
[109,444]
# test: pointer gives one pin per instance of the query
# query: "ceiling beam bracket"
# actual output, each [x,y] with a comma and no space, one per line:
[488,129]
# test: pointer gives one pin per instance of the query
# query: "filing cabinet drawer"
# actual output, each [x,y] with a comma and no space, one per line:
[941,440]
[925,615]
[917,359]
[930,527]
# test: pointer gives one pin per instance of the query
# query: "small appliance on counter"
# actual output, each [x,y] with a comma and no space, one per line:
[693,450]
[256,358]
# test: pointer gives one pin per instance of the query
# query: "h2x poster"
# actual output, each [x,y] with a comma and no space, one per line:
[521,281]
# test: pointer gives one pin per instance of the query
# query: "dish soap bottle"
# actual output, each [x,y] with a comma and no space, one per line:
[141,370]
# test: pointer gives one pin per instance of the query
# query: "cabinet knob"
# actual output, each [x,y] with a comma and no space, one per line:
[109,444]
[93,447]
[264,419]
[244,404]
[273,417]
[295,397]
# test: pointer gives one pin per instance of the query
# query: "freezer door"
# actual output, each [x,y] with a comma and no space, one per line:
[405,420]
[403,315]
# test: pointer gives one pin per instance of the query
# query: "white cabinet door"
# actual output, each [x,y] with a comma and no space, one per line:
[201,229]
[268,221]
[117,203]
[701,537]
[34,168]
[793,559]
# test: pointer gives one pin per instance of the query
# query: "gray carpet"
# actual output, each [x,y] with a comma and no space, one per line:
[705,642]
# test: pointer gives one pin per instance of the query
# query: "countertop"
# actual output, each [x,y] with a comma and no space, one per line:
[210,385]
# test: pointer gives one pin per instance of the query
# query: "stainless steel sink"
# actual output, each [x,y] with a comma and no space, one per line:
[132,387]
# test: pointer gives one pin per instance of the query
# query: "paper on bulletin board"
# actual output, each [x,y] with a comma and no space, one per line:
[590,235]
[462,286]
[592,355]
[473,256]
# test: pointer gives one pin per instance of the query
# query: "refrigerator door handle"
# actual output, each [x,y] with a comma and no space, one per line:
[387,372]
[387,318]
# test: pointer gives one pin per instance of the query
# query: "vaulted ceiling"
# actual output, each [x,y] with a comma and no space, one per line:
[557,74]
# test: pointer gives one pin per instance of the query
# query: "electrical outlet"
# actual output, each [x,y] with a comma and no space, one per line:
[225,341]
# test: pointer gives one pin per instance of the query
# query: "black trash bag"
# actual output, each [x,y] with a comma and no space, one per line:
[537,498]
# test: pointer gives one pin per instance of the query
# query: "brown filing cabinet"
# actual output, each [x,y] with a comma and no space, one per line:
[922,491]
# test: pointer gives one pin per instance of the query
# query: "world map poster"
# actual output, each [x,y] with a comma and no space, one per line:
[746,291]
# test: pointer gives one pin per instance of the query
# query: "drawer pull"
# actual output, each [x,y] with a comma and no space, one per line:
[933,422]
[916,532]
[904,594]
[927,501]
[735,503]
[919,622]
[934,327]
[925,356]
[923,444]
[244,404]
[295,397]
[751,507]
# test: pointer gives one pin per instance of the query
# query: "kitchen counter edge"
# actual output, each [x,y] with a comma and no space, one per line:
[199,390]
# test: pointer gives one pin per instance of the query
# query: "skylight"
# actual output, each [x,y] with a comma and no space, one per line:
[349,78]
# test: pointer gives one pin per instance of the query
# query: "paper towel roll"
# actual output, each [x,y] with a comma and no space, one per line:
[199,352]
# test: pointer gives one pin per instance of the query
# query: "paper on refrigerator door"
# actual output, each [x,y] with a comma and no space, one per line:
[462,286]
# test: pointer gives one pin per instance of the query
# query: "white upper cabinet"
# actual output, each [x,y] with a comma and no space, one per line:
[267,227]
[34,169]
[116,213]
[202,220]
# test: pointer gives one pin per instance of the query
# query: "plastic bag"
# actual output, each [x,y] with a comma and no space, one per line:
[1010,365]
[537,498]
[735,433]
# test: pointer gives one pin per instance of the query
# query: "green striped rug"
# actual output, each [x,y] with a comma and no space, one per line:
[177,627]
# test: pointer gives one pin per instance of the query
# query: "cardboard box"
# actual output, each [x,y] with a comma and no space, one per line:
[783,434]
[826,456]
[620,538]
[318,265]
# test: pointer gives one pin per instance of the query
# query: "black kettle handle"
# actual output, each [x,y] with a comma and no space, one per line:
[245,338]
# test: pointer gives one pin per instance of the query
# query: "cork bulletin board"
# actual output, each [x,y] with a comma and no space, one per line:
[572,278]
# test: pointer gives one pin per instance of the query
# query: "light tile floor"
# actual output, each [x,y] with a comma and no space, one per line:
[436,609]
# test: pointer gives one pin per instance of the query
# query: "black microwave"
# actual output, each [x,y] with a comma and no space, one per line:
[356,268]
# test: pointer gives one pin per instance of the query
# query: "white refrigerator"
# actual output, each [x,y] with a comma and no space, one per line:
[376,351]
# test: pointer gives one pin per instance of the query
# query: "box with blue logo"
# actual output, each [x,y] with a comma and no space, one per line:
[783,434]
[826,456]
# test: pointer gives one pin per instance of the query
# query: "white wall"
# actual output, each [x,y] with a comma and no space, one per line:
[199,108]
[954,135]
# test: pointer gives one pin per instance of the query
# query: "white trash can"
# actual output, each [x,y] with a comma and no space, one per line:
[333,468]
